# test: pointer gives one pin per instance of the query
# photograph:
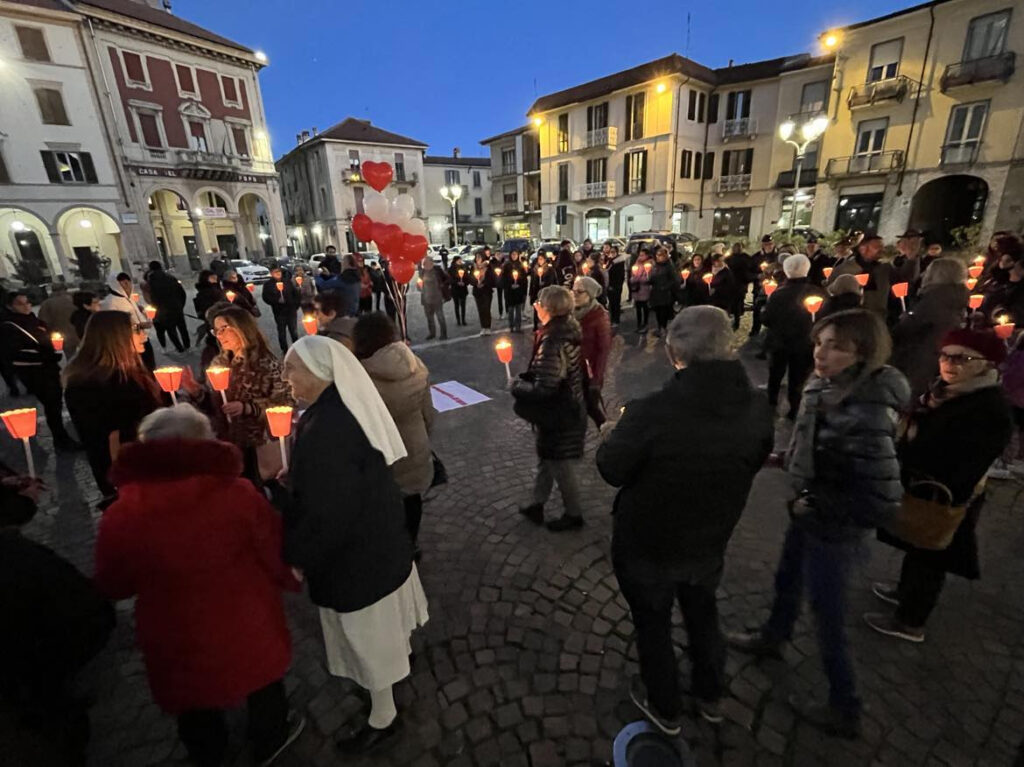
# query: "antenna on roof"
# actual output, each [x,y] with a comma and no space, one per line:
[535,88]
[686,50]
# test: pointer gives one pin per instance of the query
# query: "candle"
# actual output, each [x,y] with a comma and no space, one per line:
[298,281]
[827,271]
[971,282]
[770,286]
[219,378]
[250,287]
[58,342]
[476,274]
[764,266]
[515,275]
[461,273]
[1004,328]
[135,298]
[707,278]
[503,348]
[648,266]
[975,271]
[685,274]
[979,260]
[21,424]
[230,296]
[635,269]
[279,421]
[150,311]
[812,304]
[280,287]
[419,283]
[586,268]
[169,379]
[900,291]
[309,324]
[862,279]
[975,301]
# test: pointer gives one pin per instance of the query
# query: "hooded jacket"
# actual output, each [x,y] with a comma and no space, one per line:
[117,301]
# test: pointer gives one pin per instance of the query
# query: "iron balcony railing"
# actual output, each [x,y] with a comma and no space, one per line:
[745,127]
[960,154]
[999,67]
[601,138]
[864,164]
[880,92]
[596,190]
[737,182]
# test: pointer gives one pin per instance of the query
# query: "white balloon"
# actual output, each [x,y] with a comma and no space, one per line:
[405,205]
[415,226]
[376,206]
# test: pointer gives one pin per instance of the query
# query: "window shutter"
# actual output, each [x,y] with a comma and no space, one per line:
[713,108]
[709,165]
[590,118]
[88,168]
[725,162]
[730,106]
[638,115]
[748,164]
[33,44]
[691,109]
[701,101]
[643,170]
[590,172]
[230,89]
[625,172]
[50,163]
[698,167]
[629,118]
[746,104]
[185,78]
[240,144]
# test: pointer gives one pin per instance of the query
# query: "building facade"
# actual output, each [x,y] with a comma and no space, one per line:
[515,182]
[322,186]
[473,207]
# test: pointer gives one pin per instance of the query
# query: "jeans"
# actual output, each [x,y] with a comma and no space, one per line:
[483,308]
[515,317]
[413,514]
[205,734]
[799,366]
[651,608]
[43,383]
[287,323]
[615,302]
[432,311]
[918,590]
[460,309]
[824,567]
[642,313]
[565,474]
[664,316]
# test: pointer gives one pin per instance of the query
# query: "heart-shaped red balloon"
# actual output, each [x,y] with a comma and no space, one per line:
[362,227]
[377,174]
[402,271]
[388,237]
[414,247]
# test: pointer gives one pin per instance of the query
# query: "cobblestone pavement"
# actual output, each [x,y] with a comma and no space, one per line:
[528,652]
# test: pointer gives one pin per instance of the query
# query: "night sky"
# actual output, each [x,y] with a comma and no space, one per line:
[451,73]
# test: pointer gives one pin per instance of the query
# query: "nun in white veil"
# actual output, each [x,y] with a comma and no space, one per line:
[345,527]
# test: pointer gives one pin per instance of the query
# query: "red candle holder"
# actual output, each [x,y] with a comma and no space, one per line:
[135,298]
[827,271]
[21,424]
[971,283]
[813,304]
[862,279]
[975,301]
[150,311]
[770,286]
[250,287]
[279,421]
[309,324]
[707,278]
[1004,328]
[280,287]
[230,296]
[503,348]
[685,274]
[975,271]
[169,379]
[58,342]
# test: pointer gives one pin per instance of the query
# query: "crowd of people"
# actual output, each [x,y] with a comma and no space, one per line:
[902,403]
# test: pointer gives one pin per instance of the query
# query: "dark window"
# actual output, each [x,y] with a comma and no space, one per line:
[399,166]
[701,102]
[636,172]
[597,170]
[731,222]
[597,116]
[133,69]
[508,162]
[563,181]
[885,60]
[241,145]
[353,159]
[5,177]
[709,165]
[69,167]
[357,193]
[635,116]
[150,131]
[737,162]
[476,179]
[686,164]
[859,211]
[51,106]
[986,36]
[562,214]
[452,177]
[691,109]
[713,108]
[185,79]
[33,44]
[737,105]
[697,166]
[563,133]
[230,89]
[478,206]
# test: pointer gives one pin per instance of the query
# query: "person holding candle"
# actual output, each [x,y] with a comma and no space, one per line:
[254,384]
[483,282]
[724,286]
[596,342]
[168,296]
[306,285]
[551,397]
[1006,295]
[664,283]
[345,528]
[844,294]
[843,467]
[86,305]
[954,433]
[459,278]
[55,312]
[565,265]
[515,281]
[744,270]
[678,501]
[767,256]
[542,274]
[640,288]
[882,275]
[233,282]
[698,292]
[281,295]
[330,322]
[200,550]
[615,267]
[432,297]
[119,299]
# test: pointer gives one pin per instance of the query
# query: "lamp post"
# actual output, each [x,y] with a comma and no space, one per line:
[809,132]
[452,193]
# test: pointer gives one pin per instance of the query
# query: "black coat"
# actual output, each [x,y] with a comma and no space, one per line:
[343,513]
[743,268]
[684,458]
[565,268]
[460,285]
[841,303]
[550,394]
[281,302]
[207,294]
[788,321]
[167,295]
[617,275]
[243,297]
[955,443]
[821,260]
[724,290]
[545,279]
[25,342]
[515,288]
[485,283]
[665,285]
[916,337]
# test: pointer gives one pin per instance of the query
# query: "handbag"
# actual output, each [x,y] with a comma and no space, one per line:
[927,517]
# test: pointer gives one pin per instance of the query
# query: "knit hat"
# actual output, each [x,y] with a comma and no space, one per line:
[589,284]
[796,266]
[983,342]
[844,283]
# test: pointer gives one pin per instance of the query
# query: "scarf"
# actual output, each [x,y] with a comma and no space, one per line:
[941,392]
[328,360]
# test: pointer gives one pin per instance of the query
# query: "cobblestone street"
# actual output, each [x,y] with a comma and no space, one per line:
[528,654]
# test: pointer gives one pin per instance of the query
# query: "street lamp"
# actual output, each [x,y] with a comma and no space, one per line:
[452,194]
[808,132]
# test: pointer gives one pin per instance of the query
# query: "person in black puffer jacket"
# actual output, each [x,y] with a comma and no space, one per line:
[168,296]
[846,476]
[665,282]
[684,459]
[550,396]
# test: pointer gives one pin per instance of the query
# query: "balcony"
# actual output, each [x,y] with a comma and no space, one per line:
[738,182]
[741,127]
[601,138]
[868,164]
[960,154]
[808,177]
[213,166]
[895,89]
[999,67]
[510,205]
[597,190]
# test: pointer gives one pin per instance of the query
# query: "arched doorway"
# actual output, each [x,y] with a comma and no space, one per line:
[254,224]
[948,203]
[216,219]
[27,252]
[635,218]
[598,224]
[171,219]
[93,242]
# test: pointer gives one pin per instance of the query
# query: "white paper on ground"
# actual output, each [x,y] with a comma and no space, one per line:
[452,395]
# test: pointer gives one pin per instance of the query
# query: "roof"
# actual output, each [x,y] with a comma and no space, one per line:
[507,134]
[363,131]
[894,14]
[47,5]
[139,11]
[675,64]
[433,159]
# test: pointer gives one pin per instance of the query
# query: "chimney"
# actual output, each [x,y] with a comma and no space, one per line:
[455,153]
[298,138]
[730,62]
[305,135]
[315,131]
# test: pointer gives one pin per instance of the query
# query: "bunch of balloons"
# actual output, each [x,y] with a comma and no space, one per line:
[400,238]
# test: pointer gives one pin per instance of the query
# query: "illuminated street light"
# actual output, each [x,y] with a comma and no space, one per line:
[810,131]
[537,121]
[17,226]
[831,40]
[660,88]
[452,194]
[85,223]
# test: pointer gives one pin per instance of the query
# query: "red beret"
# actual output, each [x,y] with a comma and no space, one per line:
[982,341]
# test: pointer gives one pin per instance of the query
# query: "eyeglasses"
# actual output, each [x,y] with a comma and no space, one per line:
[959,360]
[138,328]
[221,330]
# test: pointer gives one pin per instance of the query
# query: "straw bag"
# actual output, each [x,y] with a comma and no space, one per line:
[927,517]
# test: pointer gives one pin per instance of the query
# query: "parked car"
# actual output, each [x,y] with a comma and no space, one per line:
[557,242]
[523,245]
[678,244]
[249,271]
[314,262]
[616,241]
[798,231]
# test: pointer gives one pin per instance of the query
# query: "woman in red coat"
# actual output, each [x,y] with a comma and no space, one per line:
[201,549]
[597,340]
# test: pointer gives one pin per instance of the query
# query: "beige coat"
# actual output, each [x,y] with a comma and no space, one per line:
[404,384]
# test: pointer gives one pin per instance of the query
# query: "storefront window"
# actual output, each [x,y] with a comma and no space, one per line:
[731,222]
[859,211]
[805,205]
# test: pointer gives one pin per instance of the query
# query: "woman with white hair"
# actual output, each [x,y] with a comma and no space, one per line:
[200,548]
[345,528]
[789,342]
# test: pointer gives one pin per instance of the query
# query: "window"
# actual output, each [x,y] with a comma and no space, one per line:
[51,106]
[69,167]
[636,172]
[241,144]
[323,200]
[871,136]
[230,91]
[561,214]
[353,159]
[510,196]
[691,107]
[186,80]
[859,211]
[563,133]
[986,36]
[5,177]
[885,60]
[701,100]
[197,136]
[597,170]
[698,167]
[737,162]
[451,177]
[804,208]
[399,166]
[33,44]
[730,222]
[713,108]
[135,73]
[357,193]
[597,116]
[737,105]
[150,130]
[635,116]
[814,97]
[476,179]
[963,135]
[478,206]
[508,162]
[709,165]
[686,164]
[563,181]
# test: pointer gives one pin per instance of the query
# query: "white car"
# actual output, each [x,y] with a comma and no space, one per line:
[249,271]
[314,262]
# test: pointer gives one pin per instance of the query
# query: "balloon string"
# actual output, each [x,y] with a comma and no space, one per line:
[397,294]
